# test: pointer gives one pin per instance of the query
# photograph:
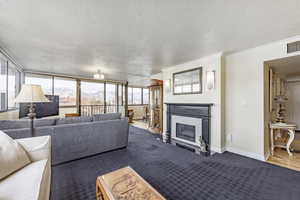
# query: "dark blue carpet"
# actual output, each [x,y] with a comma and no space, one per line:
[178,173]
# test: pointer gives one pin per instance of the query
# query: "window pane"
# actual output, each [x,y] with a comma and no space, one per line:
[111,94]
[92,93]
[196,87]
[66,90]
[129,95]
[145,96]
[111,98]
[120,90]
[11,86]
[137,96]
[44,81]
[124,97]
[186,88]
[3,80]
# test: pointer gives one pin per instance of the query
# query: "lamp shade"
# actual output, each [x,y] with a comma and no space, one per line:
[31,94]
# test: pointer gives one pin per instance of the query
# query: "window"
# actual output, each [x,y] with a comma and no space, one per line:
[92,93]
[111,98]
[145,96]
[3,84]
[44,81]
[120,94]
[137,96]
[130,95]
[111,94]
[12,74]
[9,84]
[188,82]
[66,90]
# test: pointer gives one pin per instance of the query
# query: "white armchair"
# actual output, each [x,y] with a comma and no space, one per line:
[33,181]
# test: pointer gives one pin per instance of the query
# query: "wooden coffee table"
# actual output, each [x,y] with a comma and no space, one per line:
[125,184]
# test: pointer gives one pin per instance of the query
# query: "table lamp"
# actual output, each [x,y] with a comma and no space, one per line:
[31,94]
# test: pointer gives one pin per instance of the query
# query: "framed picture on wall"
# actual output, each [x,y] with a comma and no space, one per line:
[188,82]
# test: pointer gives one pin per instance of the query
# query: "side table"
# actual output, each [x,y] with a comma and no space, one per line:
[283,126]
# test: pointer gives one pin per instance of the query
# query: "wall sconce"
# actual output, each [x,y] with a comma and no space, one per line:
[168,85]
[210,80]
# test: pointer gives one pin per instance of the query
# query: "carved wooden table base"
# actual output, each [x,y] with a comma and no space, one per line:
[291,131]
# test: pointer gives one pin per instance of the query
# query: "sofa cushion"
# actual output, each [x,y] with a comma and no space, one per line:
[12,155]
[73,120]
[107,116]
[27,183]
[44,122]
[14,124]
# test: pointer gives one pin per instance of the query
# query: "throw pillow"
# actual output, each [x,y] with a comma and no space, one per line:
[12,156]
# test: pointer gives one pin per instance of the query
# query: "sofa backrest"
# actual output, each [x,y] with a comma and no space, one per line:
[25,123]
[14,124]
[73,120]
[106,116]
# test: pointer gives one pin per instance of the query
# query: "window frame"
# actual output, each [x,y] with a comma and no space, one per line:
[186,71]
[17,85]
[53,90]
[142,96]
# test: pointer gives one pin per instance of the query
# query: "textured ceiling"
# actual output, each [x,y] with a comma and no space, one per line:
[132,39]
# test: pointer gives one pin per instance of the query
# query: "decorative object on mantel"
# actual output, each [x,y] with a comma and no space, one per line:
[188,82]
[203,147]
[31,94]
[280,100]
[282,126]
[210,80]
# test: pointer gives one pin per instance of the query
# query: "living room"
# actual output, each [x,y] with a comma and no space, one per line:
[146,100]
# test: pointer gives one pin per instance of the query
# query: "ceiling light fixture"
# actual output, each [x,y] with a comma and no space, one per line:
[99,75]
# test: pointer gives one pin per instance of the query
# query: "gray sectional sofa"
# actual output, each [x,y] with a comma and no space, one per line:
[76,137]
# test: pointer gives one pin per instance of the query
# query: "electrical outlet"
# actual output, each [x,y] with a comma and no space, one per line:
[229,138]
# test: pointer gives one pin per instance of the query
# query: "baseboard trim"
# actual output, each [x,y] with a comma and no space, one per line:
[217,149]
[247,154]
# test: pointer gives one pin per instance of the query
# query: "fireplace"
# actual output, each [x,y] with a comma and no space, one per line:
[186,132]
[188,126]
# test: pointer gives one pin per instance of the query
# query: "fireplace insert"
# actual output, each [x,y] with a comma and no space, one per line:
[186,132]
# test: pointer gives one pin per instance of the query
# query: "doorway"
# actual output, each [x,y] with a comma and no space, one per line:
[282,111]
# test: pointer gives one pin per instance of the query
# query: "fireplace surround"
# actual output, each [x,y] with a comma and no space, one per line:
[188,123]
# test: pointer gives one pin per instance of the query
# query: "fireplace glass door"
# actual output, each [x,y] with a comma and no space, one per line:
[186,132]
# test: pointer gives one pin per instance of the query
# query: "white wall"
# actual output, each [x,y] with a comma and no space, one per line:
[213,62]
[244,112]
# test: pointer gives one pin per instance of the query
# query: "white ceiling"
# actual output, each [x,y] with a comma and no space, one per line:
[132,39]
[286,67]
